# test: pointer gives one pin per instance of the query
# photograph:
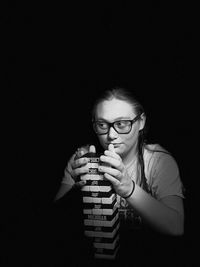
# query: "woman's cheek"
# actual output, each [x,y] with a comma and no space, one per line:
[103,142]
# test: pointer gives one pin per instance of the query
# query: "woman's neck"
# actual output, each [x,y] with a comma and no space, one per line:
[131,155]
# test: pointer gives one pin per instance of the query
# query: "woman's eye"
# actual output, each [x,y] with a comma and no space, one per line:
[102,125]
[122,124]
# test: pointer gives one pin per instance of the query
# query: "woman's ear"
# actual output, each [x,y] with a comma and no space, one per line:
[142,121]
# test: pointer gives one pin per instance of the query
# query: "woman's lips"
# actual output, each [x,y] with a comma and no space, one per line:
[115,144]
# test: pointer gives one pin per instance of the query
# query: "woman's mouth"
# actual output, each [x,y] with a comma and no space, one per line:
[114,144]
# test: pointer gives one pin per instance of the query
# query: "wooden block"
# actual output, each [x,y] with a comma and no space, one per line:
[91,176]
[101,216]
[97,194]
[91,205]
[101,211]
[107,245]
[103,200]
[92,232]
[102,253]
[101,223]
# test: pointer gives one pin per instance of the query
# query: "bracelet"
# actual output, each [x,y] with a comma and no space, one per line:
[131,191]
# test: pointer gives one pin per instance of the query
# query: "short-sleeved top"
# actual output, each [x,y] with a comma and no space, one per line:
[162,176]
[161,172]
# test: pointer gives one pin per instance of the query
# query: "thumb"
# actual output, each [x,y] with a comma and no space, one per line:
[80,184]
[92,149]
[111,147]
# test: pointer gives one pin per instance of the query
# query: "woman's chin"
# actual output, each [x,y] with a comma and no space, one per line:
[118,150]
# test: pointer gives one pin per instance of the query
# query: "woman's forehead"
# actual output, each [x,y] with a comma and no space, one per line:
[111,109]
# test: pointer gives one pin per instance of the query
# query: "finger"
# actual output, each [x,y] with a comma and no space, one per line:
[111,147]
[110,178]
[111,171]
[79,162]
[82,150]
[115,163]
[80,184]
[80,171]
[92,149]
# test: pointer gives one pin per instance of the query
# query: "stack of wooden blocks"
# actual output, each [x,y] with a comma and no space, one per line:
[101,217]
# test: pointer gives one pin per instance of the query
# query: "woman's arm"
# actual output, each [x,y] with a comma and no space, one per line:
[165,216]
[64,189]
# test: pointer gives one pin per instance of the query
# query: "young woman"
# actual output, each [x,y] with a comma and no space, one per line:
[144,176]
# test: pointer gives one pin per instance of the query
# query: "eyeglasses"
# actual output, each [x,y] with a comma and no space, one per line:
[122,126]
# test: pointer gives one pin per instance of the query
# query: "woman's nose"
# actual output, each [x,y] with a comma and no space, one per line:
[112,134]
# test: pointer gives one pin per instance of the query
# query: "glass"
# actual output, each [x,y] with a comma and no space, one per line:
[122,126]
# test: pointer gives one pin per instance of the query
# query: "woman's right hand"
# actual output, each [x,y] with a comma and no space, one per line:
[77,165]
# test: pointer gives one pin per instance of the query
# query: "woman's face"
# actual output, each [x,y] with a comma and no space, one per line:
[115,110]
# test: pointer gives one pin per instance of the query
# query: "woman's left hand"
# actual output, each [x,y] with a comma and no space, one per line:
[116,172]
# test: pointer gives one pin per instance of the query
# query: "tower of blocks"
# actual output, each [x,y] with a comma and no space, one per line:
[100,212]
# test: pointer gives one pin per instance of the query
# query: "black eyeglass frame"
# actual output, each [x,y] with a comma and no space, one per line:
[112,124]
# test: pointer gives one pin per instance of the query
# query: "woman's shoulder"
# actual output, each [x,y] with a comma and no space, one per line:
[158,160]
[155,149]
[156,157]
[155,152]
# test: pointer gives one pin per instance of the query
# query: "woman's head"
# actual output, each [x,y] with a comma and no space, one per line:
[119,93]
[120,107]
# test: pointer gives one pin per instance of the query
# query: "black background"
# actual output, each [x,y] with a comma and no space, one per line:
[57,55]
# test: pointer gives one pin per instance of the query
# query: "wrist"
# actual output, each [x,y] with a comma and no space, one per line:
[132,190]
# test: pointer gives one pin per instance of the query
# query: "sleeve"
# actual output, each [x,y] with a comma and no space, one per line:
[166,177]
